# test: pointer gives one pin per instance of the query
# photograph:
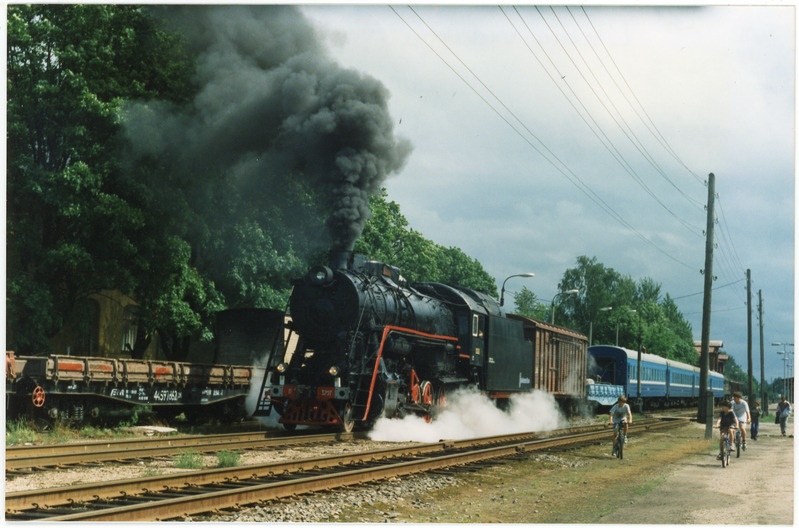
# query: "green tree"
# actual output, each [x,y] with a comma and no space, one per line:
[618,308]
[527,304]
[73,229]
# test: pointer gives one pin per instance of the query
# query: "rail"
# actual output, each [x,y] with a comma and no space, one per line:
[176,496]
[20,458]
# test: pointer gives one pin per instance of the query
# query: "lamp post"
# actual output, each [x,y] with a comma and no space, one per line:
[591,326]
[629,310]
[639,401]
[785,353]
[502,295]
[552,309]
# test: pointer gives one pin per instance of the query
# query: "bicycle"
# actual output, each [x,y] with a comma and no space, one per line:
[726,448]
[737,443]
[619,439]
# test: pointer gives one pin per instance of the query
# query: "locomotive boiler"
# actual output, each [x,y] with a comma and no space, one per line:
[369,345]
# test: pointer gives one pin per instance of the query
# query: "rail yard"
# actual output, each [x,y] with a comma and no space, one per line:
[275,478]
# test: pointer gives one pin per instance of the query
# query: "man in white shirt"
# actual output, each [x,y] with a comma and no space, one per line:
[741,410]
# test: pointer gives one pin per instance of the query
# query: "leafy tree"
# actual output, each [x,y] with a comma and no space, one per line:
[72,228]
[527,304]
[620,310]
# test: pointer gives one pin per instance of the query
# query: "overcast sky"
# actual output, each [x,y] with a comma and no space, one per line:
[541,134]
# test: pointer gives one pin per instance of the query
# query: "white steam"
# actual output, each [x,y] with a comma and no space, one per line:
[469,414]
[251,401]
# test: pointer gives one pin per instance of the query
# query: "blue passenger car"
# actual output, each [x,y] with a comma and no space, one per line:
[664,382]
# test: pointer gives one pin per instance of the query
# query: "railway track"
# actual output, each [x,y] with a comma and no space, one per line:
[60,455]
[176,496]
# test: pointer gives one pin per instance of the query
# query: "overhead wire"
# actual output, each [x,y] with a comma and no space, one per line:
[655,131]
[646,122]
[628,131]
[560,166]
[729,263]
[616,117]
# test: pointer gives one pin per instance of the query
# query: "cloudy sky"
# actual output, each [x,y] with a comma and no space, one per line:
[541,134]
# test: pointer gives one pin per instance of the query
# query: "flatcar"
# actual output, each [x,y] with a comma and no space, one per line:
[78,389]
[664,382]
[370,345]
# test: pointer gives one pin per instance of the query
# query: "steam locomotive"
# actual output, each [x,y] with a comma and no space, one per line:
[368,344]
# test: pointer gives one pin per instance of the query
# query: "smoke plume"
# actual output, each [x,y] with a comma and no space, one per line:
[272,106]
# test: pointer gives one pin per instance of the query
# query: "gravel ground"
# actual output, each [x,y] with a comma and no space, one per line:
[105,472]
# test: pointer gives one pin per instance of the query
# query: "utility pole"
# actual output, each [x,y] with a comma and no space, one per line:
[763,392]
[751,392]
[705,411]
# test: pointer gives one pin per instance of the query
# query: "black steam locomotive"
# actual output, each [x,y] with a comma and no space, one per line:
[370,345]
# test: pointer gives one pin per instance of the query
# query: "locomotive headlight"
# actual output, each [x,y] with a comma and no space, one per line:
[319,276]
[281,370]
[335,371]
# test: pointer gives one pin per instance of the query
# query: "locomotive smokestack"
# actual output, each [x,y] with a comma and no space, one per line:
[340,259]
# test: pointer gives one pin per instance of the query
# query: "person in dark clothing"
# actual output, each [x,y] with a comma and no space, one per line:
[727,422]
[754,412]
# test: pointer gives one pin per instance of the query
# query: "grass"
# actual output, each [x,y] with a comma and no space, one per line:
[228,459]
[22,431]
[18,432]
[189,459]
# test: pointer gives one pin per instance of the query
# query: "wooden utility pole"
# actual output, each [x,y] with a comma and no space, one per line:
[705,411]
[750,394]
[763,393]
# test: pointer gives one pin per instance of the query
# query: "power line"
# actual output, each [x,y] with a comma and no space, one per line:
[544,151]
[620,122]
[654,130]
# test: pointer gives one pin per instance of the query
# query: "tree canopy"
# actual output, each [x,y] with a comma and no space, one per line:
[611,304]
[73,226]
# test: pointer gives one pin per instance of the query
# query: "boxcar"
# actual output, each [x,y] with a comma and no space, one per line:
[559,361]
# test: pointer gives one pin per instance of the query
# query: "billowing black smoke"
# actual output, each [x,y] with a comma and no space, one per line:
[272,105]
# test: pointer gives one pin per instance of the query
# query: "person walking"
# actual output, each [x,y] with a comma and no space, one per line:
[754,413]
[783,412]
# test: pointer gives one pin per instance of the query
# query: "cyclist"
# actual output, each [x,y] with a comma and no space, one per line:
[620,413]
[741,410]
[727,422]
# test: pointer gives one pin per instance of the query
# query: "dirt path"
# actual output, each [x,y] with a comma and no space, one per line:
[758,486]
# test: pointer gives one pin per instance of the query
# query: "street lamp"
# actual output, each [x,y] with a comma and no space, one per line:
[639,401]
[785,353]
[502,295]
[591,325]
[567,292]
[629,310]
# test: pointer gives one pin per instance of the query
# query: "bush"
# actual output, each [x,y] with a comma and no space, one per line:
[189,460]
[228,459]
